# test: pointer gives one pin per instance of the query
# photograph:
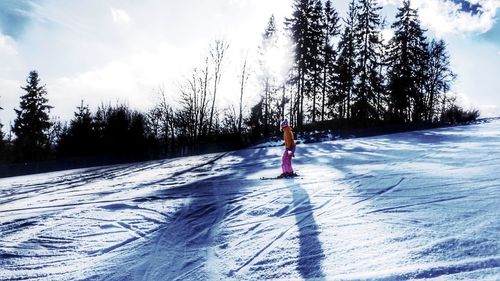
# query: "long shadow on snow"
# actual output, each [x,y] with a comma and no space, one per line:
[311,252]
[463,247]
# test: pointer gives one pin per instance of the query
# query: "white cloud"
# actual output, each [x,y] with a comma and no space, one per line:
[10,67]
[7,45]
[388,2]
[120,16]
[488,110]
[475,63]
[463,100]
[81,55]
[9,99]
[131,79]
[443,17]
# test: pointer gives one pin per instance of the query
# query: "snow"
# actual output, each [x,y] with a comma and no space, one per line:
[413,205]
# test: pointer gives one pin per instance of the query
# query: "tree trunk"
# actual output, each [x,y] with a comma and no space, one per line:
[300,111]
[431,106]
[314,99]
[203,99]
[283,102]
[217,52]
[266,107]
[324,92]
[242,89]
[292,116]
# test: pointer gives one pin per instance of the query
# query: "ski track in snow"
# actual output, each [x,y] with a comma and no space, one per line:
[416,205]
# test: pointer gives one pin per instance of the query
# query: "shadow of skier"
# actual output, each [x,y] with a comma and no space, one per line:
[311,253]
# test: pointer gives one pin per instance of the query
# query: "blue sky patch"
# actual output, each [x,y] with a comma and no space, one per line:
[492,35]
[14,16]
[467,7]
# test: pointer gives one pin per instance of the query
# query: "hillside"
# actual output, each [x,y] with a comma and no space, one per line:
[417,205]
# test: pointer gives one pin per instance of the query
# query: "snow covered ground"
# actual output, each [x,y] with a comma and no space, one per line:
[405,206]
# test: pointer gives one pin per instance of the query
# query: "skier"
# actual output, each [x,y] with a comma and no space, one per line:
[286,159]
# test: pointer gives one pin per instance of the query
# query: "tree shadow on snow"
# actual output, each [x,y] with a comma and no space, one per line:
[181,248]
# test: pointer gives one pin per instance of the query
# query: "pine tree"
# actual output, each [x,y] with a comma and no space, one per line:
[380,76]
[331,29]
[32,123]
[116,130]
[368,40]
[407,61]
[315,56]
[80,138]
[256,120]
[301,29]
[137,135]
[346,64]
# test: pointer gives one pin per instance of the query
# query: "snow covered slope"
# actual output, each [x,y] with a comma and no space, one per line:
[411,205]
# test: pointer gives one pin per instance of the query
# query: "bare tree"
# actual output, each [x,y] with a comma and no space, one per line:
[154,121]
[217,52]
[243,79]
[187,115]
[161,118]
[438,78]
[230,120]
[56,130]
[204,79]
[267,73]
[194,101]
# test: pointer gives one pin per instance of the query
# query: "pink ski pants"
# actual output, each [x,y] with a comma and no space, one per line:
[286,160]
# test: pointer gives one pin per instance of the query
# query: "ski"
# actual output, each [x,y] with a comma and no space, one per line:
[294,176]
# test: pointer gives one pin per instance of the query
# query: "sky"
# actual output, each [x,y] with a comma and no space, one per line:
[108,51]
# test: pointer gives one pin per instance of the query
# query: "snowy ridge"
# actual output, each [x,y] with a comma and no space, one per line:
[413,205]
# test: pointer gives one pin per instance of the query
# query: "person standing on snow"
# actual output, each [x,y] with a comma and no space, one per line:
[286,159]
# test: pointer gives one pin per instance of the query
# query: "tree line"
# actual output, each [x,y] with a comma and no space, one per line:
[113,131]
[344,72]
[189,123]
[341,72]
